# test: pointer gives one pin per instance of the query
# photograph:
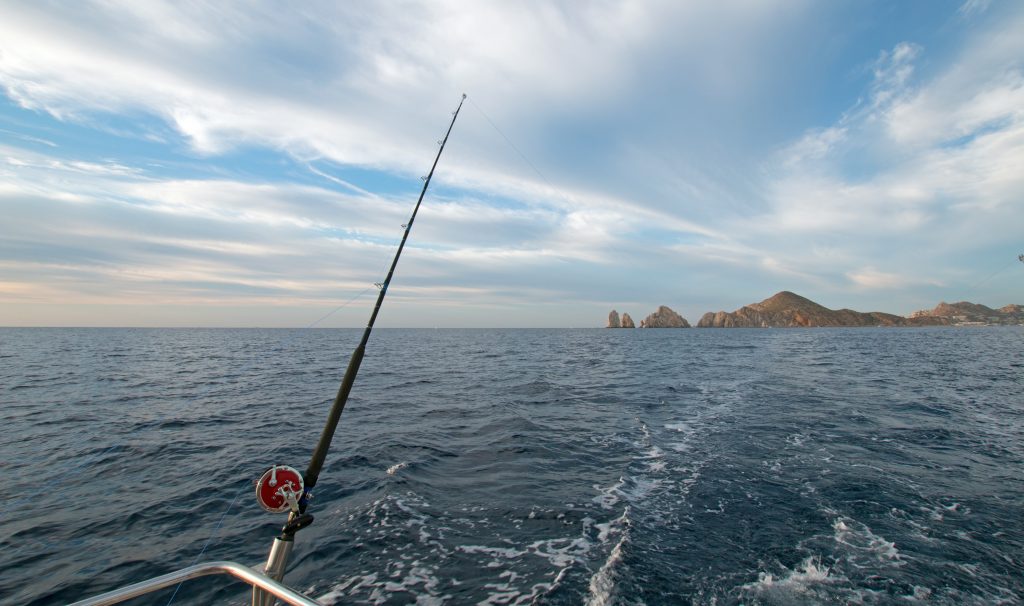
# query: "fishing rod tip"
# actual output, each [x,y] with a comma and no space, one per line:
[463,95]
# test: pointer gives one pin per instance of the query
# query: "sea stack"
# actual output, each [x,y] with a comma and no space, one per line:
[664,318]
[627,322]
[613,320]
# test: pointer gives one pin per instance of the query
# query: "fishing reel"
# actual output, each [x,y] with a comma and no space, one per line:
[279,489]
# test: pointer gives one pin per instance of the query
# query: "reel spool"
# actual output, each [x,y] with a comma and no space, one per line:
[279,489]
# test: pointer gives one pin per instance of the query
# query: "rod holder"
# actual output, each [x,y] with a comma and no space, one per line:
[277,561]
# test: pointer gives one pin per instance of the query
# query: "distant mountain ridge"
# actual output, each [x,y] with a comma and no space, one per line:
[789,310]
[973,313]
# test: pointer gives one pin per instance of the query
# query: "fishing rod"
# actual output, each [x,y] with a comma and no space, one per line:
[281,488]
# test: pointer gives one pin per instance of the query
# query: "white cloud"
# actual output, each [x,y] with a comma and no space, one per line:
[940,180]
[872,278]
[974,7]
[892,73]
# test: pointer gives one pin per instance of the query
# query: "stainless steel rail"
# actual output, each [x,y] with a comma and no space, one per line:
[250,576]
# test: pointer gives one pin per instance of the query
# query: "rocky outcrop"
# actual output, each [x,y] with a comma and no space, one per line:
[627,322]
[789,310]
[664,318]
[613,320]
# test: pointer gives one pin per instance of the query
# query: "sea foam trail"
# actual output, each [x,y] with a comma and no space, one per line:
[603,583]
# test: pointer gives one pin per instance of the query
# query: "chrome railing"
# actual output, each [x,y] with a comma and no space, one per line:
[244,573]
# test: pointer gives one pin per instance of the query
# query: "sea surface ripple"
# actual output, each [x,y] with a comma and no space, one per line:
[870,466]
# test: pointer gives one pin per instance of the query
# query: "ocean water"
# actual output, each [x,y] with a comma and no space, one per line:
[871,466]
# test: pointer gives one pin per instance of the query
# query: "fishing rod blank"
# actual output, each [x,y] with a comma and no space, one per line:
[282,488]
[324,444]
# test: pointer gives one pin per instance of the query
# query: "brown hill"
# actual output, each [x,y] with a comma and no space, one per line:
[972,313]
[962,308]
[787,309]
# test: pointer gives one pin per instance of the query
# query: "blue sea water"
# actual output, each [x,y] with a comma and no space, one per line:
[874,466]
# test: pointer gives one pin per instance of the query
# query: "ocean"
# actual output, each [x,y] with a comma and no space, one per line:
[715,466]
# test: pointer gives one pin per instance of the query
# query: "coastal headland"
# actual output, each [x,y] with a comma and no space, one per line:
[789,310]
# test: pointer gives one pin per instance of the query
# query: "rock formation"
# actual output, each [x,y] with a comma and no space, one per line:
[786,310]
[627,322]
[664,318]
[613,320]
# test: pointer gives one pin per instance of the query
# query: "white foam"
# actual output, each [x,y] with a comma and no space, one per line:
[602,584]
[351,584]
[654,453]
[397,467]
[612,527]
[562,552]
[796,439]
[864,544]
[641,488]
[420,580]
[796,583]
[654,459]
[957,508]
[920,594]
[407,573]
[494,552]
[609,496]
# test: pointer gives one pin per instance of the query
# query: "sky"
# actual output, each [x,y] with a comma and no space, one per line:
[252,163]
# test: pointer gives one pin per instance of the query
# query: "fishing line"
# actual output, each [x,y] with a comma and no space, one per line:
[60,478]
[511,408]
[990,276]
[366,290]
[512,145]
[338,308]
[298,518]
[496,129]
[216,530]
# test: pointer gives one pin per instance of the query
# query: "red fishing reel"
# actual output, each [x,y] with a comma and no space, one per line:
[279,489]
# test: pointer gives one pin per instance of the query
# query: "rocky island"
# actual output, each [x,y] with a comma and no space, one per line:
[615,322]
[662,318]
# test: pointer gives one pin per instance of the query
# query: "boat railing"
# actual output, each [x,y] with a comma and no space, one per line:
[244,573]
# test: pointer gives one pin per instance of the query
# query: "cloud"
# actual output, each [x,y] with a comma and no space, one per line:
[892,73]
[922,175]
[872,278]
[106,234]
[974,7]
[815,145]
[655,146]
